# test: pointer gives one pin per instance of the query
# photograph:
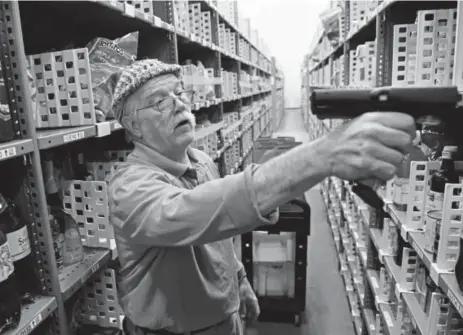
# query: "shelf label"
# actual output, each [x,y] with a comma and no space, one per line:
[8,152]
[31,325]
[95,268]
[157,21]
[73,137]
[455,302]
[129,10]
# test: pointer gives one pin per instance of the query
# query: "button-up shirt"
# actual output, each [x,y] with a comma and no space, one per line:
[174,225]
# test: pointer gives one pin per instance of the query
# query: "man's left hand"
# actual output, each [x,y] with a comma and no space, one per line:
[249,305]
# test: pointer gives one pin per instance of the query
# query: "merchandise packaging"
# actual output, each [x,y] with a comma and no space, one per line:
[107,59]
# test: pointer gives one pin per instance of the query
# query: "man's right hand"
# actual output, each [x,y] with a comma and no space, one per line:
[370,147]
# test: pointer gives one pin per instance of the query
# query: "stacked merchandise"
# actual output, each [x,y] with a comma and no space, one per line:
[244,49]
[182,16]
[434,34]
[209,144]
[245,83]
[362,67]
[360,12]
[200,22]
[199,80]
[227,39]
[229,85]
[403,264]
[143,6]
[253,57]
[228,9]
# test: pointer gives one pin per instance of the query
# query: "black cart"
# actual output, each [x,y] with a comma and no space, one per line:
[294,217]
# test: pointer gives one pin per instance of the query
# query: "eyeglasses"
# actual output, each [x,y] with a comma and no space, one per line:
[168,102]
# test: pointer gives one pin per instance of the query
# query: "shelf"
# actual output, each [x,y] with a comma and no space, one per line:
[370,323]
[206,131]
[448,284]
[55,137]
[74,276]
[129,11]
[373,280]
[392,268]
[32,315]
[387,316]
[15,148]
[232,127]
[415,311]
[417,241]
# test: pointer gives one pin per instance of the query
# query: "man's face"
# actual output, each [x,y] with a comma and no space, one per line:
[164,117]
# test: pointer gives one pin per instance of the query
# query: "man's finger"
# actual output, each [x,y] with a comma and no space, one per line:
[253,310]
[243,310]
[393,138]
[393,120]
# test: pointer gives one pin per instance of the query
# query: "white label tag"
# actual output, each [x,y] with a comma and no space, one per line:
[455,302]
[73,137]
[19,244]
[32,325]
[8,152]
[129,10]
[157,21]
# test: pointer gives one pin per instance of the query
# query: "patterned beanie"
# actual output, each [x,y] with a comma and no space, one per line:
[134,76]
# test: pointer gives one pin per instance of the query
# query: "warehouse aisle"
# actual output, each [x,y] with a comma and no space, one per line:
[327,311]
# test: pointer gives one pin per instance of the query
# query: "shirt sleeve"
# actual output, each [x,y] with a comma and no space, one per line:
[150,210]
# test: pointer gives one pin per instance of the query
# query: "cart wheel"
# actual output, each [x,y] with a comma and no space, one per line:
[297,320]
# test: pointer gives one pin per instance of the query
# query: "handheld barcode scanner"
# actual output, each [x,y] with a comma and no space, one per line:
[429,105]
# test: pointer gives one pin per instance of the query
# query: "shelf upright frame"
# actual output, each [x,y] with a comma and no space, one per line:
[38,204]
[273,82]
[170,11]
[384,40]
[457,79]
[346,65]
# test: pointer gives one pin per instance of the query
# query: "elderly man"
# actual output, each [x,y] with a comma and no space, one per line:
[174,216]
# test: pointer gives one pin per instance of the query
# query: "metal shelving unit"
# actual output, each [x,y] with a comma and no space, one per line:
[20,36]
[354,224]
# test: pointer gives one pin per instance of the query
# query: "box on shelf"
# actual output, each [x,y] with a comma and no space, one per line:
[195,19]
[144,6]
[436,45]
[87,203]
[100,304]
[63,85]
[182,16]
[206,26]
[404,54]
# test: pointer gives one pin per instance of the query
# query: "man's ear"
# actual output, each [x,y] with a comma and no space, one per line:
[133,126]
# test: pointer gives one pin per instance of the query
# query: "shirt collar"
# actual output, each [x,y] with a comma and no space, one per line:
[155,158]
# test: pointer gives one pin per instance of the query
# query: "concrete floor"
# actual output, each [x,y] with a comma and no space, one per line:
[327,311]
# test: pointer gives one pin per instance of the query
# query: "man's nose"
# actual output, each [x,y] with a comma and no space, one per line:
[180,106]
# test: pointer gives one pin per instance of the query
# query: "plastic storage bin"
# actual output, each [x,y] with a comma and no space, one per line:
[269,247]
[274,279]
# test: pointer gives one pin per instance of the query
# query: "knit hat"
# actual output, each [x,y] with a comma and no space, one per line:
[134,76]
